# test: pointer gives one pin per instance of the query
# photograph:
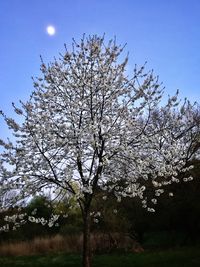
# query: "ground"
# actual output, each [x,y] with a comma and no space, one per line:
[180,257]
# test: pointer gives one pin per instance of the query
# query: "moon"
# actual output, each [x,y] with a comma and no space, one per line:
[51,30]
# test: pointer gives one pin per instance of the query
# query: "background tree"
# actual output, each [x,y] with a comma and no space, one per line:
[88,125]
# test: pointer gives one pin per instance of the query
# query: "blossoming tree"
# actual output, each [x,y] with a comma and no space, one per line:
[89,126]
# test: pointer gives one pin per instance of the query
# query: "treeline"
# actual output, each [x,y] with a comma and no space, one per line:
[176,220]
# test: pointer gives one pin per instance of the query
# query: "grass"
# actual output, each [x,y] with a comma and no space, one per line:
[184,257]
[68,244]
[41,245]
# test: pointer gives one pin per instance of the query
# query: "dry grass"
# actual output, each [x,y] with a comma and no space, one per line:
[70,243]
[41,245]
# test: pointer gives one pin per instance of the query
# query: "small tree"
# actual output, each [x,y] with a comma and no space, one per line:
[88,125]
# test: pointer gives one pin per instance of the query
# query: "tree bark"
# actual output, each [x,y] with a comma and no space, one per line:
[86,239]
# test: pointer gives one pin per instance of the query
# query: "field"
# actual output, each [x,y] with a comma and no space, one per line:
[184,257]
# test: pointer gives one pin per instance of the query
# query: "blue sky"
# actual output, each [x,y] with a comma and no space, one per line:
[166,33]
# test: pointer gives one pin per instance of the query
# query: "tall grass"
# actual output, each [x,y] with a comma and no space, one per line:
[41,245]
[70,244]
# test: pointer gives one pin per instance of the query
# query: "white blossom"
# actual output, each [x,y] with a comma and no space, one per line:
[31,219]
[115,211]
[104,197]
[88,127]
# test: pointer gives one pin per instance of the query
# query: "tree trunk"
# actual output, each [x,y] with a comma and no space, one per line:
[86,240]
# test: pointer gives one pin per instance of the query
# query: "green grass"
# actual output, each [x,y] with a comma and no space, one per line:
[185,257]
